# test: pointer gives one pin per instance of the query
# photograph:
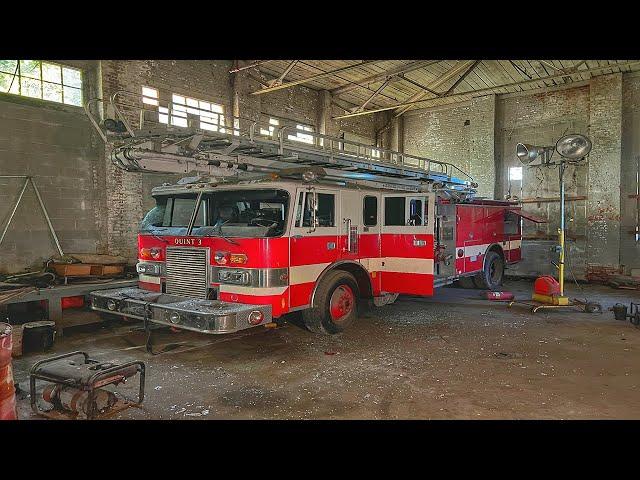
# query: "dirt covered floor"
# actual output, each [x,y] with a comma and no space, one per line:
[452,356]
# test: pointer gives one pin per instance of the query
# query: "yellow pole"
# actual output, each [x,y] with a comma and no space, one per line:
[561,263]
[561,230]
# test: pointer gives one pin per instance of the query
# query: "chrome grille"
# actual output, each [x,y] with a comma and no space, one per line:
[187,271]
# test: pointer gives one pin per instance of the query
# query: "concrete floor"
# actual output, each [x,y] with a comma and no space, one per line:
[454,355]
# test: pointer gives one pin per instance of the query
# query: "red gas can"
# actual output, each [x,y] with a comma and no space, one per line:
[546,285]
[7,389]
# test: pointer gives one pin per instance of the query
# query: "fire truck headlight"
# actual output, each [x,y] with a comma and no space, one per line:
[148,268]
[221,258]
[156,253]
[174,318]
[255,317]
[112,305]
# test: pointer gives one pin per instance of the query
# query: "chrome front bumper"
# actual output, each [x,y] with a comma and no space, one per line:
[205,316]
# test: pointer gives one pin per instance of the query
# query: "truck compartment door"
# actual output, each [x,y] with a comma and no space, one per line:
[406,251]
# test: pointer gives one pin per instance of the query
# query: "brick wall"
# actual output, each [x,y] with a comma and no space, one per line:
[629,173]
[605,109]
[55,145]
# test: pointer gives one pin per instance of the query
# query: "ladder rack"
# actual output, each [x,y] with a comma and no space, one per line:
[245,145]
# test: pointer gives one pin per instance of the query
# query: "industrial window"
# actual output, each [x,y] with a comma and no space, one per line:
[300,136]
[375,153]
[44,80]
[394,211]
[370,211]
[515,174]
[273,123]
[210,115]
[150,96]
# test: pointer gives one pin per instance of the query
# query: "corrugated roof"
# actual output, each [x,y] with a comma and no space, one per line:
[355,85]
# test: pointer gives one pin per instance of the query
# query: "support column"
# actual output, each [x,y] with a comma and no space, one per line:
[482,160]
[603,204]
[397,143]
[324,112]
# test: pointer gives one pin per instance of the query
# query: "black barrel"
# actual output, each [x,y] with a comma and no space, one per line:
[38,336]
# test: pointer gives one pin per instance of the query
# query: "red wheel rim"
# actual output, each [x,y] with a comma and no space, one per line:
[341,303]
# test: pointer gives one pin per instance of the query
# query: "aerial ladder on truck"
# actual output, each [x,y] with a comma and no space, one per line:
[240,148]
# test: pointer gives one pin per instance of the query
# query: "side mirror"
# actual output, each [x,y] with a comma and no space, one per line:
[313,206]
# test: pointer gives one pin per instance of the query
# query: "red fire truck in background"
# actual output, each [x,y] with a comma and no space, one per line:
[272,225]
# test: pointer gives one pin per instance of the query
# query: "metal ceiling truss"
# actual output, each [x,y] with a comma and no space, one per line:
[459,68]
[312,78]
[393,73]
[278,81]
[484,91]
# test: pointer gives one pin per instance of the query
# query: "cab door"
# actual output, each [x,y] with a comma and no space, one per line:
[407,254]
[350,225]
[313,244]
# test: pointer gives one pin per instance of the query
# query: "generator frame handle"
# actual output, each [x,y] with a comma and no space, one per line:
[89,386]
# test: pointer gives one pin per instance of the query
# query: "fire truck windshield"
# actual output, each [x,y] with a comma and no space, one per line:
[225,213]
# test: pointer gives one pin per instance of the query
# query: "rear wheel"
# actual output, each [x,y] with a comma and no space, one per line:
[335,304]
[491,276]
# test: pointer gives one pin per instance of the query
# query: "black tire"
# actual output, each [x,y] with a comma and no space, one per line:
[491,276]
[466,282]
[318,318]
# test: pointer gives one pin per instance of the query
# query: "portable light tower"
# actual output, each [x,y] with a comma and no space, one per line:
[573,149]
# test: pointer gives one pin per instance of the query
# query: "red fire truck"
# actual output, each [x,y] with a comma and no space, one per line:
[272,225]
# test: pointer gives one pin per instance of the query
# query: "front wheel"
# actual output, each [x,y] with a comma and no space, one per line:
[335,304]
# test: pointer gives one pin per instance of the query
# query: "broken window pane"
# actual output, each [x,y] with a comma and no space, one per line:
[71,77]
[51,73]
[30,87]
[72,96]
[52,92]
[8,66]
[30,68]
[5,83]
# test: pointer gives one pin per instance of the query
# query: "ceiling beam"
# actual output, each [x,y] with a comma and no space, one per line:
[278,81]
[457,69]
[312,78]
[485,91]
[461,79]
[551,65]
[255,64]
[392,72]
[373,95]
[419,85]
